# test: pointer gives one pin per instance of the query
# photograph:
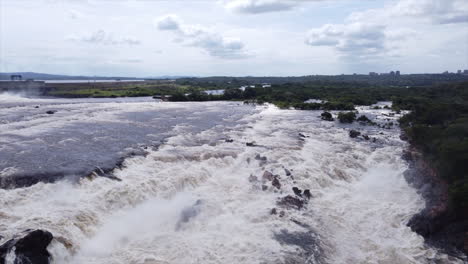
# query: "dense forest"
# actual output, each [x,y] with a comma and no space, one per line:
[383,80]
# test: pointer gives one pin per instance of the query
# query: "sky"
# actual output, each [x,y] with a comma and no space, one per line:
[149,38]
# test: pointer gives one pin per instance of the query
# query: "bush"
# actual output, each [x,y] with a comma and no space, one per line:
[363,118]
[347,117]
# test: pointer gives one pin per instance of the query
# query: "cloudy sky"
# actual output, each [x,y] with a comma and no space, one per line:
[232,37]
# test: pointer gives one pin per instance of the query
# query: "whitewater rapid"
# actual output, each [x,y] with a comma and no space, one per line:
[190,197]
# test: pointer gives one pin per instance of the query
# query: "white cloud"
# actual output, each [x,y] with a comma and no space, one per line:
[439,11]
[351,40]
[104,38]
[212,42]
[374,33]
[260,6]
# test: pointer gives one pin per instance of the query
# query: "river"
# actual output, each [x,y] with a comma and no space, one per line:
[142,181]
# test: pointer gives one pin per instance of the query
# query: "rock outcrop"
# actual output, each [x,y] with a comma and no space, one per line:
[30,247]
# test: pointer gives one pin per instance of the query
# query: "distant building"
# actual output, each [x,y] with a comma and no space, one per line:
[373,74]
[465,72]
[397,73]
[392,73]
[16,77]
[459,72]
[445,72]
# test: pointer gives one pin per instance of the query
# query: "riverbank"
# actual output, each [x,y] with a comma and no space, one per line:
[440,223]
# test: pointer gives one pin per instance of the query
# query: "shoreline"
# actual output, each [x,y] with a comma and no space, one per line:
[438,223]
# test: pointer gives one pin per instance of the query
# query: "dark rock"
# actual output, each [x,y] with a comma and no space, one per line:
[229,140]
[30,247]
[327,116]
[36,106]
[273,211]
[267,176]
[288,173]
[264,187]
[291,202]
[302,135]
[354,133]
[276,183]
[366,137]
[297,191]
[281,214]
[250,144]
[51,112]
[307,193]
[307,246]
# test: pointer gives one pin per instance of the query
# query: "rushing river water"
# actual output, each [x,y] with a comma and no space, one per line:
[190,189]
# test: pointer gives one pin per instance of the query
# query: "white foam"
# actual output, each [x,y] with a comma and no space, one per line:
[360,206]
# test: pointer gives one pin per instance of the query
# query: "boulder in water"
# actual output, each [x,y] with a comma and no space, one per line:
[307,194]
[51,112]
[297,191]
[267,176]
[276,183]
[354,133]
[30,247]
[288,173]
[291,202]
[250,144]
[327,116]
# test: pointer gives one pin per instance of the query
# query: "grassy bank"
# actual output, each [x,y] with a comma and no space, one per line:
[123,89]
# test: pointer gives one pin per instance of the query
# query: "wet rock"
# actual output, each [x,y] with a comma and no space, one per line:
[354,133]
[267,176]
[253,178]
[291,202]
[51,112]
[307,193]
[288,173]
[229,140]
[189,213]
[302,135]
[262,160]
[366,137]
[297,191]
[281,214]
[264,187]
[276,183]
[30,247]
[250,144]
[327,116]
[308,246]
[273,211]
[404,137]
[36,106]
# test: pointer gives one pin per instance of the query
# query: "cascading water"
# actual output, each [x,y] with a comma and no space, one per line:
[196,193]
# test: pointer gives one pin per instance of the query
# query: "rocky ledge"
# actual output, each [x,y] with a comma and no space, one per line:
[439,223]
[28,247]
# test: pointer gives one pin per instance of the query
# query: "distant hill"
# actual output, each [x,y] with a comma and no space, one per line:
[45,76]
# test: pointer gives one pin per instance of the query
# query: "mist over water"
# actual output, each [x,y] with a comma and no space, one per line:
[188,198]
